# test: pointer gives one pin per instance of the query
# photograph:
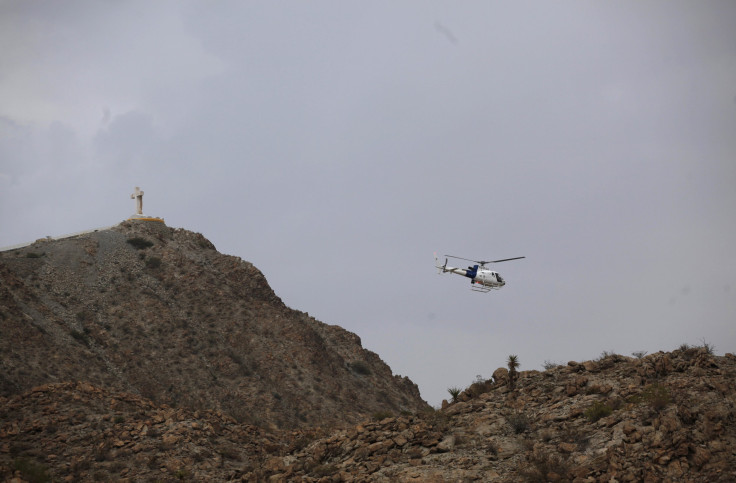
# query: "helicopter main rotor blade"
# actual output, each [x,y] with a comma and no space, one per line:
[483,262]
[461,258]
[504,260]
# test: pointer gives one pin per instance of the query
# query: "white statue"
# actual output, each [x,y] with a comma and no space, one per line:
[138,195]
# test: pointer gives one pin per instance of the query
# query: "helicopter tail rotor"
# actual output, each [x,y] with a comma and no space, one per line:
[440,268]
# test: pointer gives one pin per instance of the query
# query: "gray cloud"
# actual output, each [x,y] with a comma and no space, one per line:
[338,146]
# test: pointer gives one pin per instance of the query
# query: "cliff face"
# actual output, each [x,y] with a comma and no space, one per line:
[158,312]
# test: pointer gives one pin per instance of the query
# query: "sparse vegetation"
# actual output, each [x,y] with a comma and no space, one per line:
[182,474]
[550,365]
[80,336]
[598,410]
[454,392]
[518,421]
[639,354]
[102,453]
[571,435]
[655,395]
[153,262]
[704,345]
[140,243]
[35,254]
[610,355]
[31,471]
[381,415]
[437,420]
[229,452]
[709,348]
[545,468]
[589,390]
[609,359]
[360,368]
[513,364]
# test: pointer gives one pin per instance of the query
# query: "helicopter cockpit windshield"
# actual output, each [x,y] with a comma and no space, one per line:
[498,277]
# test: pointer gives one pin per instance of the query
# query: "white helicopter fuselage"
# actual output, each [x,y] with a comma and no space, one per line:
[489,278]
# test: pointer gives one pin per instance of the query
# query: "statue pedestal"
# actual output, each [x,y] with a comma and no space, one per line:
[141,217]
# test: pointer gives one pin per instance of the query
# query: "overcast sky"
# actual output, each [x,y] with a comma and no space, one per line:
[337,145]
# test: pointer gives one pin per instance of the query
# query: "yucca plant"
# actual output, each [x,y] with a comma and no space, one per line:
[513,363]
[454,392]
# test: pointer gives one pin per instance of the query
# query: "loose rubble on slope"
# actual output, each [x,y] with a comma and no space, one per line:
[78,432]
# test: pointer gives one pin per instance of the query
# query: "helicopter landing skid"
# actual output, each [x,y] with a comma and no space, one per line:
[482,288]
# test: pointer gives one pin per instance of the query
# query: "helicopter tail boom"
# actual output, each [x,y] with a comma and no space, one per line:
[470,272]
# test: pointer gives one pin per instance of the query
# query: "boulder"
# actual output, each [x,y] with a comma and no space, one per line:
[501,375]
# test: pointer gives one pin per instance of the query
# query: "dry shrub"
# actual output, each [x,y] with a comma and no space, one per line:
[597,411]
[519,422]
[545,468]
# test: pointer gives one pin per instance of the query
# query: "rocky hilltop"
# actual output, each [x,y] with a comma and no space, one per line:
[157,312]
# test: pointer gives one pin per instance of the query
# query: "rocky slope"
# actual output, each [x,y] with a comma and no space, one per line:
[665,417]
[157,312]
[79,432]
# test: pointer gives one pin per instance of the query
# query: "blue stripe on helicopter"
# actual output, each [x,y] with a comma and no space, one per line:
[472,272]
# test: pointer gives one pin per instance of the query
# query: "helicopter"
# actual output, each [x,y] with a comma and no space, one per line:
[481,278]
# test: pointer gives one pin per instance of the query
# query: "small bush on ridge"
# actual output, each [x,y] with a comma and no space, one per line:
[360,367]
[140,243]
